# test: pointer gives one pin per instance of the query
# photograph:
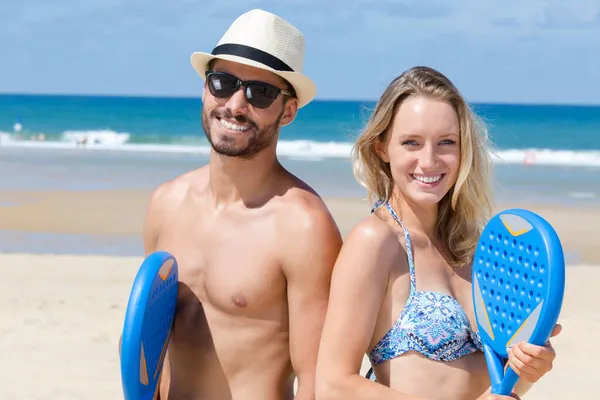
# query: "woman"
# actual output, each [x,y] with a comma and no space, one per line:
[401,289]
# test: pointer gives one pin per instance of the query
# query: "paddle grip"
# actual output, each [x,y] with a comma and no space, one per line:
[508,383]
[503,382]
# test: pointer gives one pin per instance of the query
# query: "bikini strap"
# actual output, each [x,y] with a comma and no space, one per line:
[411,265]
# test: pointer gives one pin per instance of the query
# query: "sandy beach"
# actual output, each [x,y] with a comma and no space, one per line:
[62,314]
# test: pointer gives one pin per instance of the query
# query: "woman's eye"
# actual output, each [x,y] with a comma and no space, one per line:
[448,142]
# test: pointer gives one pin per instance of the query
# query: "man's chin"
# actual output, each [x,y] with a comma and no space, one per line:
[230,151]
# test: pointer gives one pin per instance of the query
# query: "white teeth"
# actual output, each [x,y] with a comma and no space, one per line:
[232,126]
[427,179]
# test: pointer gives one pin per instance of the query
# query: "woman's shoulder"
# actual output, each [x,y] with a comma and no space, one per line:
[370,251]
[374,234]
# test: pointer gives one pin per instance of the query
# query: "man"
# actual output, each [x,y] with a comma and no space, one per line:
[254,244]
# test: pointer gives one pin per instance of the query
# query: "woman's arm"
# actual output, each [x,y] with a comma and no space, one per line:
[359,282]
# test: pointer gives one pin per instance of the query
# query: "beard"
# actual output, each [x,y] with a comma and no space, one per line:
[258,138]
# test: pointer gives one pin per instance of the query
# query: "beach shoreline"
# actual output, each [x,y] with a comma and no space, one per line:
[118,214]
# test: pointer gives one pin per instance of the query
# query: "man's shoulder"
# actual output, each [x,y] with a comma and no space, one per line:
[305,214]
[173,191]
[301,202]
[307,232]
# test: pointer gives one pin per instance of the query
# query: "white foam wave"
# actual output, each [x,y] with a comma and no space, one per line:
[582,195]
[299,149]
[88,138]
[101,137]
[310,149]
[576,158]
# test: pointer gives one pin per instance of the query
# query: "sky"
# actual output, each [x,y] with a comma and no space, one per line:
[517,51]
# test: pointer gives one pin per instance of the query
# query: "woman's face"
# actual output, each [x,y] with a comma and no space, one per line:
[423,149]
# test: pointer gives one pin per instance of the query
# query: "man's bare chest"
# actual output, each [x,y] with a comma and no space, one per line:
[229,269]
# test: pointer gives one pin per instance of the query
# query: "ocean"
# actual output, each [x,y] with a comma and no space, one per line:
[544,153]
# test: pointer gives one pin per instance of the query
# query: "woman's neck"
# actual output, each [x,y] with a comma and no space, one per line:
[417,217]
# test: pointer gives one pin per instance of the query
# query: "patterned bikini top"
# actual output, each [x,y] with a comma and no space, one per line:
[432,323]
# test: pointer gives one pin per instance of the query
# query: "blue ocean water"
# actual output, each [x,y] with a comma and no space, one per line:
[544,134]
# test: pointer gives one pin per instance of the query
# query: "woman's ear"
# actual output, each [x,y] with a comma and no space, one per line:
[381,150]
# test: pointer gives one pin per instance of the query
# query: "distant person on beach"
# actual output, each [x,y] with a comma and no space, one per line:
[401,287]
[255,245]
[18,126]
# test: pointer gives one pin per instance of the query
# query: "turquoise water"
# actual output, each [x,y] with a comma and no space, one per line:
[548,135]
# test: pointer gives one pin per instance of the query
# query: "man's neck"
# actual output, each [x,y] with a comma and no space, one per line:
[234,180]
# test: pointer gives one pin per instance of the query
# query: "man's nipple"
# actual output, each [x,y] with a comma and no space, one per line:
[239,299]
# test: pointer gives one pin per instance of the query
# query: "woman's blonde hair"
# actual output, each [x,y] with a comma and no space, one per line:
[465,209]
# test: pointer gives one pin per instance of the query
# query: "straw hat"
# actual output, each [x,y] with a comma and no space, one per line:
[264,40]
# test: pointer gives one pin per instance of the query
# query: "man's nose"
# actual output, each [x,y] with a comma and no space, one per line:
[238,103]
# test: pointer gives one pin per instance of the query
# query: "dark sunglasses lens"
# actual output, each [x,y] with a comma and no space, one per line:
[261,95]
[222,85]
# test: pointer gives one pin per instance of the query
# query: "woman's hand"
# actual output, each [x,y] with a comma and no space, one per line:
[488,396]
[531,362]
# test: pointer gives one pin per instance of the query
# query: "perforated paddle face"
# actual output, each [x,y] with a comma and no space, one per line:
[511,278]
[158,317]
[147,326]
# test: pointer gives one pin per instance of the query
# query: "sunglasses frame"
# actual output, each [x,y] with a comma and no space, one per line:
[244,84]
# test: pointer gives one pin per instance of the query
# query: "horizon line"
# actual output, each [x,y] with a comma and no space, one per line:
[317,99]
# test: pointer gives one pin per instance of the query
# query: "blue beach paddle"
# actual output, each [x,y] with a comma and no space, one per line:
[518,288]
[148,323]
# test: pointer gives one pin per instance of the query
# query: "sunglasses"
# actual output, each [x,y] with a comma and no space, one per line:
[259,94]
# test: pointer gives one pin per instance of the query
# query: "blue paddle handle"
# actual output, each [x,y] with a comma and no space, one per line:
[508,382]
[495,367]
[502,382]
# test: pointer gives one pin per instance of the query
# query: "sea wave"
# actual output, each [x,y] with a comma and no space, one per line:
[575,158]
[102,137]
[301,149]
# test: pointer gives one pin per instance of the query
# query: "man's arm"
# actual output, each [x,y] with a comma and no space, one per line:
[311,249]
[153,218]
[151,226]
